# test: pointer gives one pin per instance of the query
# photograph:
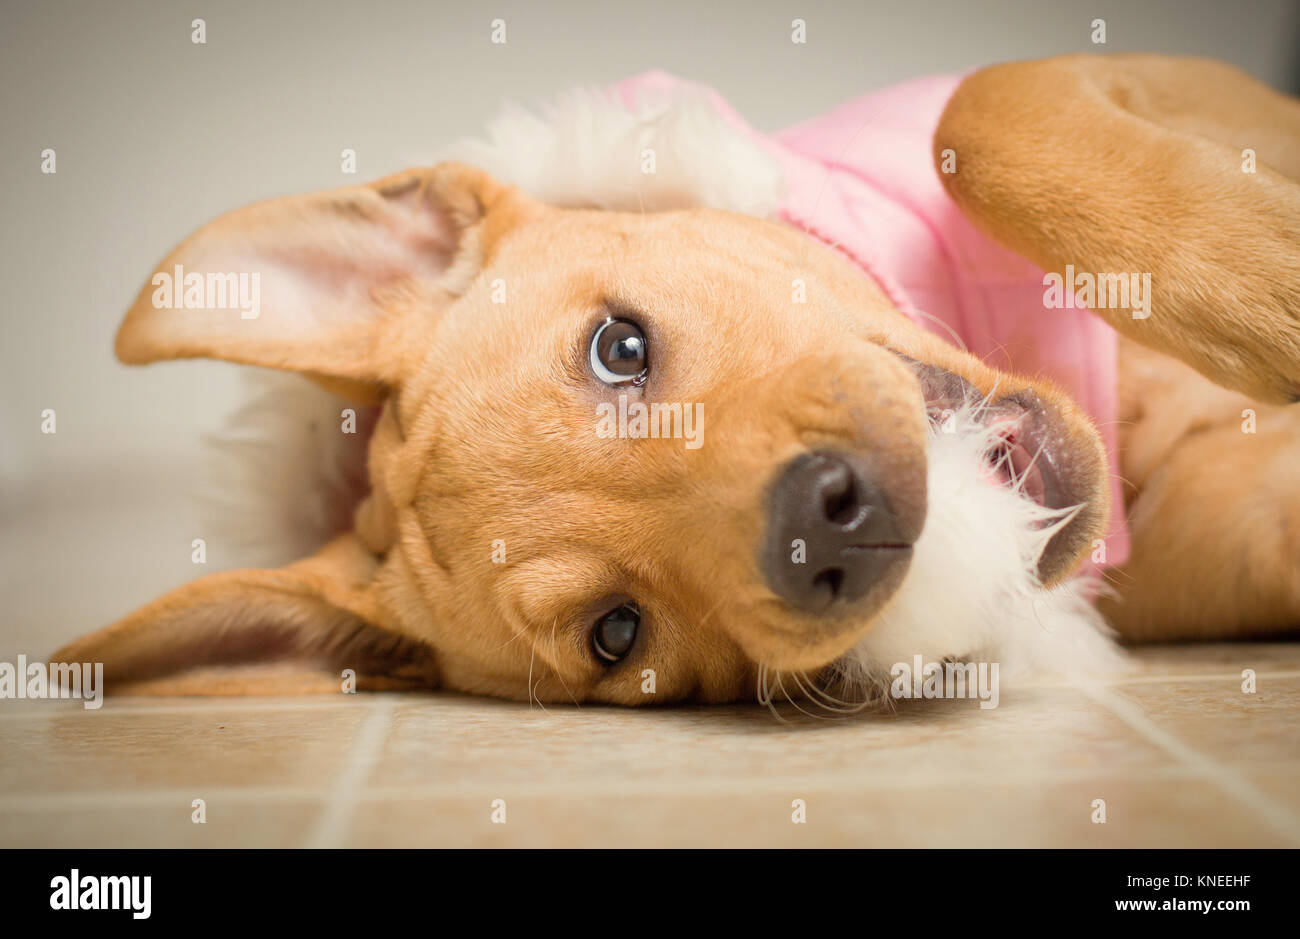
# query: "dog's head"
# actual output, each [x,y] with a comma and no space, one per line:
[621,457]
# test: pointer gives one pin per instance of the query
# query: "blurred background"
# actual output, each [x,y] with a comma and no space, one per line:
[155,135]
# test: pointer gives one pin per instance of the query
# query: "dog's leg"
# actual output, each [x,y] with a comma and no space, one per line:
[1183,169]
[1214,515]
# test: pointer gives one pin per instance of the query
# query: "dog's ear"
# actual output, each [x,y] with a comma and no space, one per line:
[320,611]
[332,284]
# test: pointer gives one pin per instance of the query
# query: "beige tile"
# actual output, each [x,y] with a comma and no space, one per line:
[1169,812]
[923,774]
[1226,659]
[22,710]
[25,709]
[166,747]
[1221,722]
[1033,734]
[165,822]
[1279,782]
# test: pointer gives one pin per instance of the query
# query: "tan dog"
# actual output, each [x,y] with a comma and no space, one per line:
[626,557]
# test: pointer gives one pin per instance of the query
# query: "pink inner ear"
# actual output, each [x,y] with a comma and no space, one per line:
[329,274]
[313,273]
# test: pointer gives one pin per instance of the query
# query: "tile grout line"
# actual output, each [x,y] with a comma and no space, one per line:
[216,703]
[335,821]
[1167,678]
[665,787]
[1229,781]
[235,704]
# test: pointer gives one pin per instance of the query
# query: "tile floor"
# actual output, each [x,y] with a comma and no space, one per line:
[1181,756]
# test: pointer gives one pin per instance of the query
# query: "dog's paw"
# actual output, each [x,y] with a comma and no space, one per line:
[1255,352]
[1228,304]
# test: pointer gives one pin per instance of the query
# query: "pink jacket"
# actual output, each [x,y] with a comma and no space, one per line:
[862,178]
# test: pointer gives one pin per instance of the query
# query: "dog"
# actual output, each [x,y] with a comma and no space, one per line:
[862,489]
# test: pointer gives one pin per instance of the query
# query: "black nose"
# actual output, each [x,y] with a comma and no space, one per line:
[831,535]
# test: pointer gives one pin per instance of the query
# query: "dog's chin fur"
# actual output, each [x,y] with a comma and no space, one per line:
[972,593]
[284,478]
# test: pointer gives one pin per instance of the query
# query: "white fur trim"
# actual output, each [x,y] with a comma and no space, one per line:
[972,591]
[282,477]
[589,151]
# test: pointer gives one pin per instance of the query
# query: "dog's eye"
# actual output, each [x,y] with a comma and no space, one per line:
[618,353]
[615,632]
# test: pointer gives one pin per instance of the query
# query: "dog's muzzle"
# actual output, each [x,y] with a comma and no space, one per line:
[832,537]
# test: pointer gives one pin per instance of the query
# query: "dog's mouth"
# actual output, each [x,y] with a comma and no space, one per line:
[1020,458]
[982,552]
[1035,451]
[1027,444]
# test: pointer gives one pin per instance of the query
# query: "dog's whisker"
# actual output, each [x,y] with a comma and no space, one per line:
[828,700]
[985,402]
[855,674]
[868,688]
[717,606]
[952,333]
[554,645]
[771,698]
[530,678]
[1018,483]
[795,704]
[811,694]
[763,697]
[516,631]
[765,693]
[532,688]
[519,631]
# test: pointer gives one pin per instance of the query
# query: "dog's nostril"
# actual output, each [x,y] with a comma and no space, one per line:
[832,579]
[832,537]
[839,500]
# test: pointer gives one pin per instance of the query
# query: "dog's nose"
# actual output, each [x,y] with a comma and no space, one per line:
[831,535]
